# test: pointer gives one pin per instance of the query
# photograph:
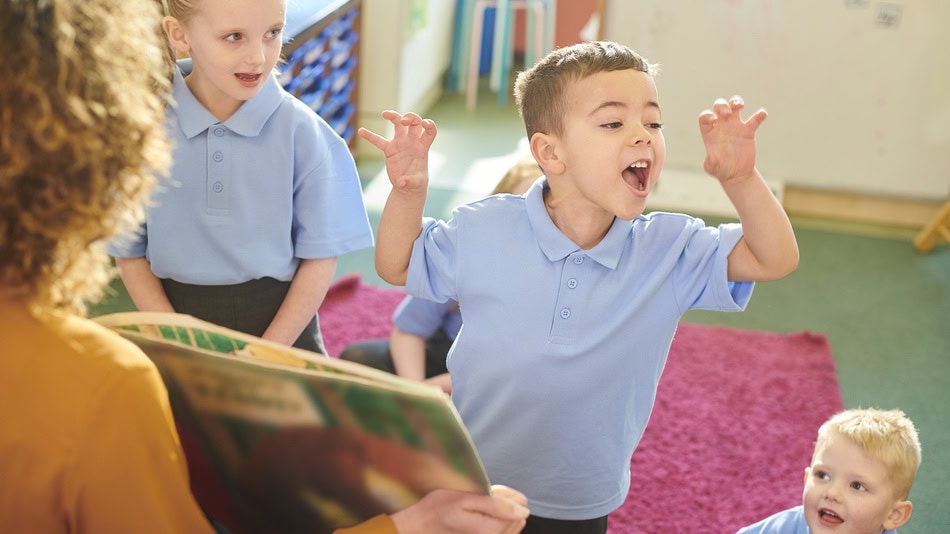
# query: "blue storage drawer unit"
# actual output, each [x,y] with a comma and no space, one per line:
[321,54]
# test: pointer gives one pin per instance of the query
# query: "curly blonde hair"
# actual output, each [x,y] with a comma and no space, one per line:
[81,141]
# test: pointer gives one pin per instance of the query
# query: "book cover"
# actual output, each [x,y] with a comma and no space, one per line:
[279,439]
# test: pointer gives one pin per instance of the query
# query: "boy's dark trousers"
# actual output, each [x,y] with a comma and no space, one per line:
[543,525]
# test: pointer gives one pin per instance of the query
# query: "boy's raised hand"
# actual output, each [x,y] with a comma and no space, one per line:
[730,141]
[407,153]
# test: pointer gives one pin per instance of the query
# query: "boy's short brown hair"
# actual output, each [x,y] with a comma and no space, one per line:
[539,91]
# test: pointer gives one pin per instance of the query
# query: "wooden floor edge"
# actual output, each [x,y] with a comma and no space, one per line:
[859,207]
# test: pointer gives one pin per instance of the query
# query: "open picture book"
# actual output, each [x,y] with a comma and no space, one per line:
[279,439]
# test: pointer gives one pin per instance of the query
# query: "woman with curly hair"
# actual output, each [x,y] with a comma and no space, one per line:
[87,443]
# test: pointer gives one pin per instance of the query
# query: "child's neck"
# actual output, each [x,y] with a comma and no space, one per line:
[586,226]
[218,105]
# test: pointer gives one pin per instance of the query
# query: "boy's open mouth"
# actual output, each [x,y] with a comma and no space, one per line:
[637,175]
[827,517]
[245,77]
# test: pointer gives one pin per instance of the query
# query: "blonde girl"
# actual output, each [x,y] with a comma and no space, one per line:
[264,195]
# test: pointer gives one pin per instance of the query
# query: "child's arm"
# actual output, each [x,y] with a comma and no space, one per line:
[409,358]
[443,381]
[407,163]
[409,354]
[306,293]
[143,286]
[768,249]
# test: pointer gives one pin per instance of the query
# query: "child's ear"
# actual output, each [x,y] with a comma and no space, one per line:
[544,150]
[176,34]
[807,472]
[899,515]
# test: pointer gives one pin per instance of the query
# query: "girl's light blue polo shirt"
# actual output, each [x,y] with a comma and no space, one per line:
[556,367]
[249,197]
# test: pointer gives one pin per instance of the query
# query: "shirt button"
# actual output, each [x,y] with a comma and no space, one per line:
[219,132]
[565,313]
[578,260]
[217,156]
[572,283]
[217,187]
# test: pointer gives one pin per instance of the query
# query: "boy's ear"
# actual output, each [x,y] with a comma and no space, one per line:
[807,472]
[899,515]
[176,34]
[544,150]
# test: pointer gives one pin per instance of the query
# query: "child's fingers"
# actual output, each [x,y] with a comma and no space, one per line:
[756,119]
[736,103]
[429,126]
[375,139]
[392,116]
[398,120]
[411,119]
[722,108]
[416,126]
[706,120]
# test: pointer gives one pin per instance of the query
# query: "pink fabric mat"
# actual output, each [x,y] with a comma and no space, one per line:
[731,433]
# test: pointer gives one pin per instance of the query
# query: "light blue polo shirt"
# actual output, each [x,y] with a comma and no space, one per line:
[250,197]
[556,367]
[421,317]
[791,521]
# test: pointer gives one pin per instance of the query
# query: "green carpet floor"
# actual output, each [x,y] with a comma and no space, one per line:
[884,308]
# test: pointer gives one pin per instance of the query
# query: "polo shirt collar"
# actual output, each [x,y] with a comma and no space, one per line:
[557,246]
[193,118]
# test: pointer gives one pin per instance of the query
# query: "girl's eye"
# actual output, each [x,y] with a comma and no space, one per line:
[857,485]
[273,34]
[655,126]
[232,37]
[613,125]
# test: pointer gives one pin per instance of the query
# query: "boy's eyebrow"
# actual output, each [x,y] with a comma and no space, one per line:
[618,104]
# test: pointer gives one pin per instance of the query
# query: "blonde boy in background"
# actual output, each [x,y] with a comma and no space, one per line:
[860,476]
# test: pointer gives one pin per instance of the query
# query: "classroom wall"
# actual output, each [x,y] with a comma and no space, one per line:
[405,48]
[572,15]
[853,105]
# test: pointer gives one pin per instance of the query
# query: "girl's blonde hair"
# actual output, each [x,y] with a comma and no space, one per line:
[81,139]
[885,435]
[183,10]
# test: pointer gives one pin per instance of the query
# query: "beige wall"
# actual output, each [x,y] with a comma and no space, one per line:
[401,68]
[853,106]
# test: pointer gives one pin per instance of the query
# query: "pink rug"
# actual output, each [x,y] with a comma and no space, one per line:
[354,311]
[732,430]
